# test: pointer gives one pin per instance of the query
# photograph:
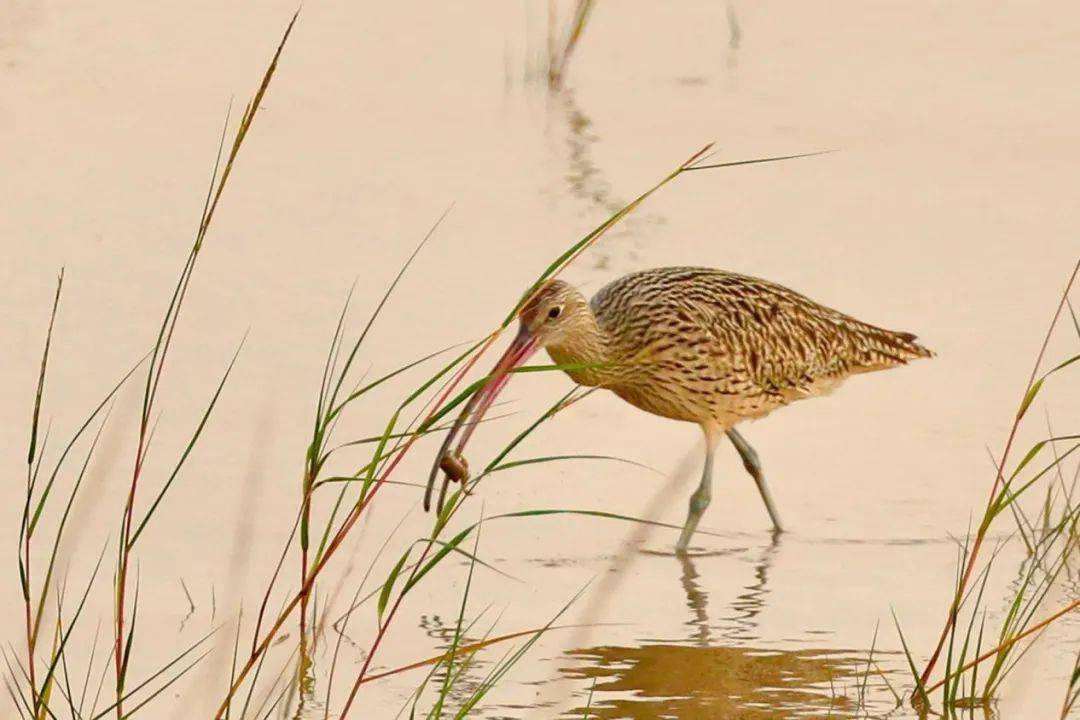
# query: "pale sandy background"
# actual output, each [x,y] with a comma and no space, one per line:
[949,210]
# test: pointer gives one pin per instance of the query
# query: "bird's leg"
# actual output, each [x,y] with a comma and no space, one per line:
[701,497]
[753,466]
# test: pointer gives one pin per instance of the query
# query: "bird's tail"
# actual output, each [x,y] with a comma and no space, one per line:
[889,348]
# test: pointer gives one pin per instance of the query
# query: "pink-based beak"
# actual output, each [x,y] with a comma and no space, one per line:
[525,343]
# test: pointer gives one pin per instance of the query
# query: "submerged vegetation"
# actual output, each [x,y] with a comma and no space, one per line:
[47,679]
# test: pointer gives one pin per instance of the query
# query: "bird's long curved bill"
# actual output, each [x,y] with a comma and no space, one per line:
[521,349]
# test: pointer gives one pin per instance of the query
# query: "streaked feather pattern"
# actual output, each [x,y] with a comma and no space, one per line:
[713,347]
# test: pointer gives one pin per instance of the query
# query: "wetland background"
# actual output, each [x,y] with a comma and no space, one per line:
[949,210]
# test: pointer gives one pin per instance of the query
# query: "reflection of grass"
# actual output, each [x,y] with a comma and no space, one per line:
[559,54]
[40,698]
[687,682]
[332,504]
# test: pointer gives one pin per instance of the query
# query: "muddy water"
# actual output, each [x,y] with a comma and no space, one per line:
[949,210]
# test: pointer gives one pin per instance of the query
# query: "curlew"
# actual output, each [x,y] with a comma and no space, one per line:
[693,344]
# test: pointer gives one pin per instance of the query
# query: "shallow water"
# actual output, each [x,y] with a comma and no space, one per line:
[950,209]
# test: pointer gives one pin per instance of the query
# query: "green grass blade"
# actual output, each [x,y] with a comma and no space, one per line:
[444,692]
[378,309]
[157,673]
[187,449]
[435,559]
[505,667]
[388,585]
[919,688]
[122,680]
[385,378]
[460,537]
[330,367]
[509,465]
[35,418]
[1036,386]
[755,161]
[54,551]
[74,439]
[153,696]
[66,635]
[581,245]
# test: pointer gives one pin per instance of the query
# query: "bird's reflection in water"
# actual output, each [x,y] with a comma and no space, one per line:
[698,602]
[741,625]
[685,682]
[738,626]
[696,678]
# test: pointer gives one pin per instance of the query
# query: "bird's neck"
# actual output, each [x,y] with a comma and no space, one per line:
[586,345]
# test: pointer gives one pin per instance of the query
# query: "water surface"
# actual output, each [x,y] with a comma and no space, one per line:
[950,210]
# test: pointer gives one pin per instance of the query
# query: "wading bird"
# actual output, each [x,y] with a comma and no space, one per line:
[692,344]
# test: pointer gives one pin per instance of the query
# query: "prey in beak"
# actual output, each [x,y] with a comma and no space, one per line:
[452,462]
[556,317]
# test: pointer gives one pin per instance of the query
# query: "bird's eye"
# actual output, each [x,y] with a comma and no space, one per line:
[554,312]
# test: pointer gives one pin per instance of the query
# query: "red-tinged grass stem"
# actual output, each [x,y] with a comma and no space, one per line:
[260,646]
[27,529]
[463,650]
[1007,644]
[157,363]
[984,527]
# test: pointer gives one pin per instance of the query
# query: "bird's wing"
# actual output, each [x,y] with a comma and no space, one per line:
[760,336]
[783,340]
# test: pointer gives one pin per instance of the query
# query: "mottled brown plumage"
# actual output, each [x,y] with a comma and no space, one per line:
[709,346]
[699,345]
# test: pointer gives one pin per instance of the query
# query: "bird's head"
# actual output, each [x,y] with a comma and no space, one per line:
[548,318]
[553,314]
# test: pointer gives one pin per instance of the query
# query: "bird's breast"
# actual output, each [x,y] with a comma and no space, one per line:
[581,369]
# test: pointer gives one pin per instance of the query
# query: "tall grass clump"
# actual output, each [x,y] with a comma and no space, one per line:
[331,506]
[422,411]
[39,680]
[33,684]
[977,655]
[131,528]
